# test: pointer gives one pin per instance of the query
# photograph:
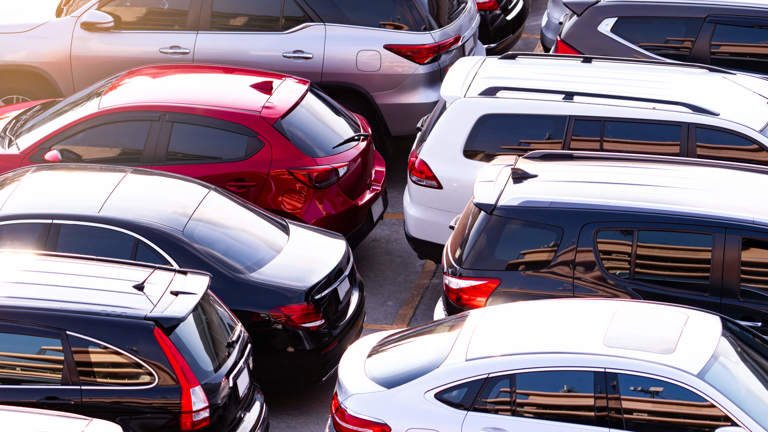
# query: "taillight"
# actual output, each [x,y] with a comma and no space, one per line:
[487,5]
[343,421]
[303,316]
[320,177]
[420,173]
[195,412]
[468,293]
[423,54]
[563,48]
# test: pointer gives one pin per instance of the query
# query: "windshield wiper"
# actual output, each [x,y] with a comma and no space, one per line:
[234,338]
[353,138]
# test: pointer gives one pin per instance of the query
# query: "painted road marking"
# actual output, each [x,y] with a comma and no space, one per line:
[408,309]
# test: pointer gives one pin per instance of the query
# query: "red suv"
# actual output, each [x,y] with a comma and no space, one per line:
[272,139]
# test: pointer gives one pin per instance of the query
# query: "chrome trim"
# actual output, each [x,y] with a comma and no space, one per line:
[124,353]
[291,30]
[338,282]
[431,393]
[15,221]
[328,375]
[239,366]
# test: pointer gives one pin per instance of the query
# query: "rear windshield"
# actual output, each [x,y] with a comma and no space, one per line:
[409,354]
[318,126]
[202,338]
[444,12]
[488,242]
[389,14]
[236,234]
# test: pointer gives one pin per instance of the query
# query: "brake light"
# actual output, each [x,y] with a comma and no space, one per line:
[468,293]
[423,54]
[420,173]
[487,5]
[563,48]
[195,411]
[343,421]
[320,177]
[303,316]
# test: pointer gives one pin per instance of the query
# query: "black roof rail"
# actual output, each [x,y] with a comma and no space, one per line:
[568,95]
[591,58]
[570,155]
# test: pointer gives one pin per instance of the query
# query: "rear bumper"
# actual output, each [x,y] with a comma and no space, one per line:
[426,228]
[502,31]
[256,419]
[425,249]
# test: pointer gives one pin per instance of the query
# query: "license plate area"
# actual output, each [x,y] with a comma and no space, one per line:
[343,289]
[243,381]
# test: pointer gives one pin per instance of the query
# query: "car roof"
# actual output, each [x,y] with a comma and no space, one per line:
[632,83]
[113,191]
[618,182]
[676,336]
[208,86]
[64,282]
[749,3]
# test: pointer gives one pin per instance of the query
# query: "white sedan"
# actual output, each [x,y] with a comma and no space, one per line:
[558,365]
[19,419]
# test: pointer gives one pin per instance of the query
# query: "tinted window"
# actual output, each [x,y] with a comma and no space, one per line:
[445,12]
[615,250]
[667,37]
[121,142]
[586,135]
[104,242]
[145,253]
[496,396]
[293,15]
[716,144]
[390,14]
[100,365]
[754,270]
[318,125]
[653,405]
[249,15]
[149,14]
[425,347]
[499,134]
[460,396]
[22,235]
[647,138]
[674,259]
[200,143]
[30,360]
[740,47]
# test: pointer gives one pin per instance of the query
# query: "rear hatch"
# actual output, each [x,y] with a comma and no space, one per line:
[455,18]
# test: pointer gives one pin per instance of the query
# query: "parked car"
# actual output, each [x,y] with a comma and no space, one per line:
[294,287]
[273,140]
[520,102]
[569,224]
[386,61]
[22,419]
[501,23]
[732,35]
[145,346]
[558,365]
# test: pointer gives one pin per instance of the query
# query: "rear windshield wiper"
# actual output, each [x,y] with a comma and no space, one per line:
[353,138]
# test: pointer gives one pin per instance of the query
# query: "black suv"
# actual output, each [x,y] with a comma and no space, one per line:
[568,224]
[732,35]
[147,347]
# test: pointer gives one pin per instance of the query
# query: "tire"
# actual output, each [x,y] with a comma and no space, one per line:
[17,88]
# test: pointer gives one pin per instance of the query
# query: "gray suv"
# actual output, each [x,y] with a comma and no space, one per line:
[731,34]
[385,59]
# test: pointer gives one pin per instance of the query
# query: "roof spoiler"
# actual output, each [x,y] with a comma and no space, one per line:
[494,178]
[579,6]
[180,298]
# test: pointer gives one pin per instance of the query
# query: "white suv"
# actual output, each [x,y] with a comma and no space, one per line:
[517,103]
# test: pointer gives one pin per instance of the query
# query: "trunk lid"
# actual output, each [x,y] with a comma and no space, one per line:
[360,164]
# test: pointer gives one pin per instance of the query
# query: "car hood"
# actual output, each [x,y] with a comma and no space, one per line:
[18,17]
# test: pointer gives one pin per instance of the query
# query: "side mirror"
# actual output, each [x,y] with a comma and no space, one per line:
[53,156]
[96,21]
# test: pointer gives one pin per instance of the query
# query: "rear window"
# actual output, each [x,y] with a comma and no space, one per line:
[202,337]
[514,134]
[668,37]
[389,14]
[318,126]
[445,12]
[495,243]
[425,347]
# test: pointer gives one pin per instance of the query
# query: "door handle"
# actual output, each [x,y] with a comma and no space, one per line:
[298,54]
[750,323]
[175,50]
[240,185]
[493,429]
[55,400]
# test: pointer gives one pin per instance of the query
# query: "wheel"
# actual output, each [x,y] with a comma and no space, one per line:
[16,88]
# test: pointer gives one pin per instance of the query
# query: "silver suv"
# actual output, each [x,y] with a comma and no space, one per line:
[385,59]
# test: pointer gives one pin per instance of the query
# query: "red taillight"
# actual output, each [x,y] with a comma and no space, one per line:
[420,173]
[195,412]
[320,177]
[302,316]
[468,292]
[423,54]
[487,5]
[343,421]
[563,48]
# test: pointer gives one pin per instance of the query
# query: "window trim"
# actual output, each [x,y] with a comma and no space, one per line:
[684,133]
[710,25]
[69,378]
[89,387]
[206,13]
[431,394]
[606,28]
[193,18]
[693,150]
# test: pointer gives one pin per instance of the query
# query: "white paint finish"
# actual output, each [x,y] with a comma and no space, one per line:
[19,419]
[368,61]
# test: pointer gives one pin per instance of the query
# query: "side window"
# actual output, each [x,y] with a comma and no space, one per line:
[668,37]
[653,405]
[155,15]
[194,143]
[293,15]
[615,250]
[460,396]
[104,242]
[30,360]
[754,270]
[740,47]
[389,14]
[121,142]
[256,16]
[496,396]
[100,365]
[500,134]
[587,135]
[720,145]
[647,138]
[23,235]
[674,259]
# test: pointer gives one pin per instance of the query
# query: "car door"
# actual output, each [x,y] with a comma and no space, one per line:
[745,281]
[219,152]
[145,32]
[276,35]
[34,369]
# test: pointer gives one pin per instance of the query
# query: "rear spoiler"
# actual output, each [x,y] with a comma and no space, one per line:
[579,6]
[285,96]
[180,297]
[491,181]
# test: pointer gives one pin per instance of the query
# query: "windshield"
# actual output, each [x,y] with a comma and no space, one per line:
[739,370]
